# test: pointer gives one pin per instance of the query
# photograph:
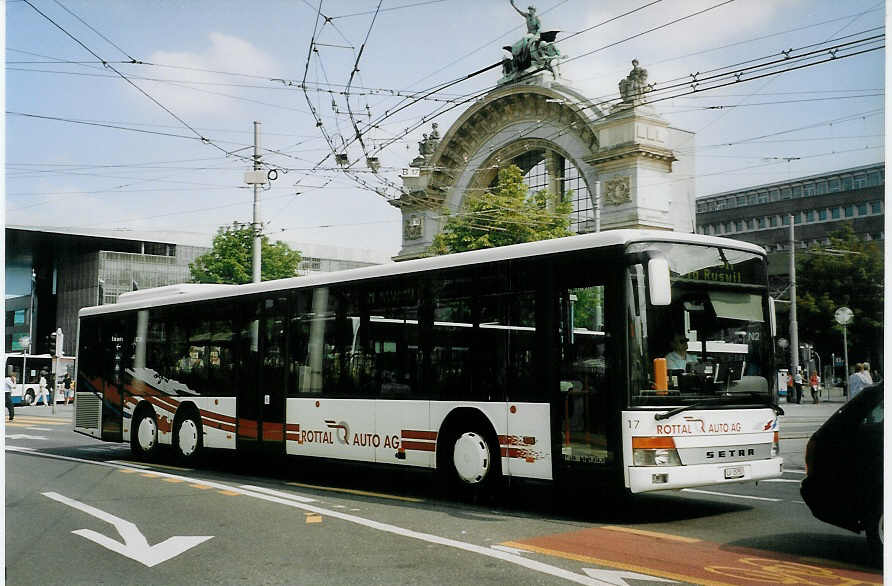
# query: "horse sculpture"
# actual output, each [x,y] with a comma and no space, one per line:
[531,51]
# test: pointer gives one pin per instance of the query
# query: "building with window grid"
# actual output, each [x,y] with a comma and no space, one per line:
[818,204]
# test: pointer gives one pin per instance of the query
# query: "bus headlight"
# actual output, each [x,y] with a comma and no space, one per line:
[654,451]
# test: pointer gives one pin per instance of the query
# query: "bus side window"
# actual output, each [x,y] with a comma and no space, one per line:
[298,348]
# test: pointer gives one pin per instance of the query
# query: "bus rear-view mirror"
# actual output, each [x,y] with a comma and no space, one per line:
[658,281]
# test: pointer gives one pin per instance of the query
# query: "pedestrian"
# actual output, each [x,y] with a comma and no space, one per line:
[66,384]
[813,383]
[791,392]
[797,384]
[41,386]
[856,382]
[865,374]
[10,387]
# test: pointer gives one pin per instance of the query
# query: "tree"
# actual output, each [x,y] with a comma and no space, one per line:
[848,272]
[505,215]
[231,257]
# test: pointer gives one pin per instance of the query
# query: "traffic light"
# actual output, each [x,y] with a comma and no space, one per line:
[55,342]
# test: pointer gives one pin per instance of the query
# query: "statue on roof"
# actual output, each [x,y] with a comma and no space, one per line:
[535,51]
[633,87]
[533,23]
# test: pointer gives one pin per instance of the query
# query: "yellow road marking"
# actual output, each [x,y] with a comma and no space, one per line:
[407,499]
[149,475]
[127,470]
[656,534]
[313,518]
[166,467]
[612,564]
[229,492]
[201,486]
[174,480]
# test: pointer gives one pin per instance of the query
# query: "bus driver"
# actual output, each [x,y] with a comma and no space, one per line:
[678,358]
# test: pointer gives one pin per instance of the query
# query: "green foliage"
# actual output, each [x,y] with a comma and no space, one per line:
[231,257]
[848,272]
[505,215]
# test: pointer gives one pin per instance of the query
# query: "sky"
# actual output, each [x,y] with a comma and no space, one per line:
[159,138]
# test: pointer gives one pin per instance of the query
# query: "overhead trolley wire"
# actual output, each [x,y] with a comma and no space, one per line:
[125,78]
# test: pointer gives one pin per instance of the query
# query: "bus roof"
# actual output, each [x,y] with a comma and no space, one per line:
[197,292]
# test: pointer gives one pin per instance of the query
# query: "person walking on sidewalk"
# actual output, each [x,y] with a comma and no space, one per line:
[10,387]
[813,383]
[41,386]
[797,384]
[66,383]
[856,382]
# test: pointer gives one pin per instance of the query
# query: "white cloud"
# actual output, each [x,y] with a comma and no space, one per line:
[224,54]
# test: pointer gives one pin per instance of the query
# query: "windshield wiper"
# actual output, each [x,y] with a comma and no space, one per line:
[661,416]
[677,410]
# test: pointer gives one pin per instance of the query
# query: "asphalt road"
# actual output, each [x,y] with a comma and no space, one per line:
[80,511]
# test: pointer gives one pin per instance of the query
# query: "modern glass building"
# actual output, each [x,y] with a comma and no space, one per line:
[51,273]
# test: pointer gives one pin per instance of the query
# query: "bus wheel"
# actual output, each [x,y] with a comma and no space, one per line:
[29,397]
[144,435]
[472,461]
[187,438]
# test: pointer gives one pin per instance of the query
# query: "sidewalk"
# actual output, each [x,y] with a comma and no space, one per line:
[831,399]
[62,411]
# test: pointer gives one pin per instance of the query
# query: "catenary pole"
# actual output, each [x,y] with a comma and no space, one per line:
[794,326]
[256,224]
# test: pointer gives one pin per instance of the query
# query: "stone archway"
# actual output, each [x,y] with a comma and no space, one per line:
[507,124]
[627,150]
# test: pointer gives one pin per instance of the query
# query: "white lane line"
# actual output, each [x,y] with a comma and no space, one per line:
[791,480]
[794,471]
[737,496]
[130,464]
[515,559]
[278,493]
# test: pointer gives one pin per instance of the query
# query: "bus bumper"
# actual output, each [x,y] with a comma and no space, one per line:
[650,478]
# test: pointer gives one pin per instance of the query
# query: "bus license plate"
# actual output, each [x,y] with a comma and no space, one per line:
[733,472]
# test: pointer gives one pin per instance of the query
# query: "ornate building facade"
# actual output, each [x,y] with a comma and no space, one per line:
[619,166]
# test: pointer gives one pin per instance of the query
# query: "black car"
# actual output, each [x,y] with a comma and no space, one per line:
[844,468]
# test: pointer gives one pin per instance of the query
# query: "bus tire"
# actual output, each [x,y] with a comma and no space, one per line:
[187,437]
[144,434]
[29,397]
[470,461]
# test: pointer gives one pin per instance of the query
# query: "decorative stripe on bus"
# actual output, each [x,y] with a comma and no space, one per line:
[424,441]
[507,443]
[247,427]
[273,431]
[292,432]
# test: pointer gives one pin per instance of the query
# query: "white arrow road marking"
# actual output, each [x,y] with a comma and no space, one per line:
[17,436]
[618,577]
[385,527]
[135,545]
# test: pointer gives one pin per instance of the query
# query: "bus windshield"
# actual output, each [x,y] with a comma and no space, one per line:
[712,343]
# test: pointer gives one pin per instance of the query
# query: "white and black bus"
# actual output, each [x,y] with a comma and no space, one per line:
[527,361]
